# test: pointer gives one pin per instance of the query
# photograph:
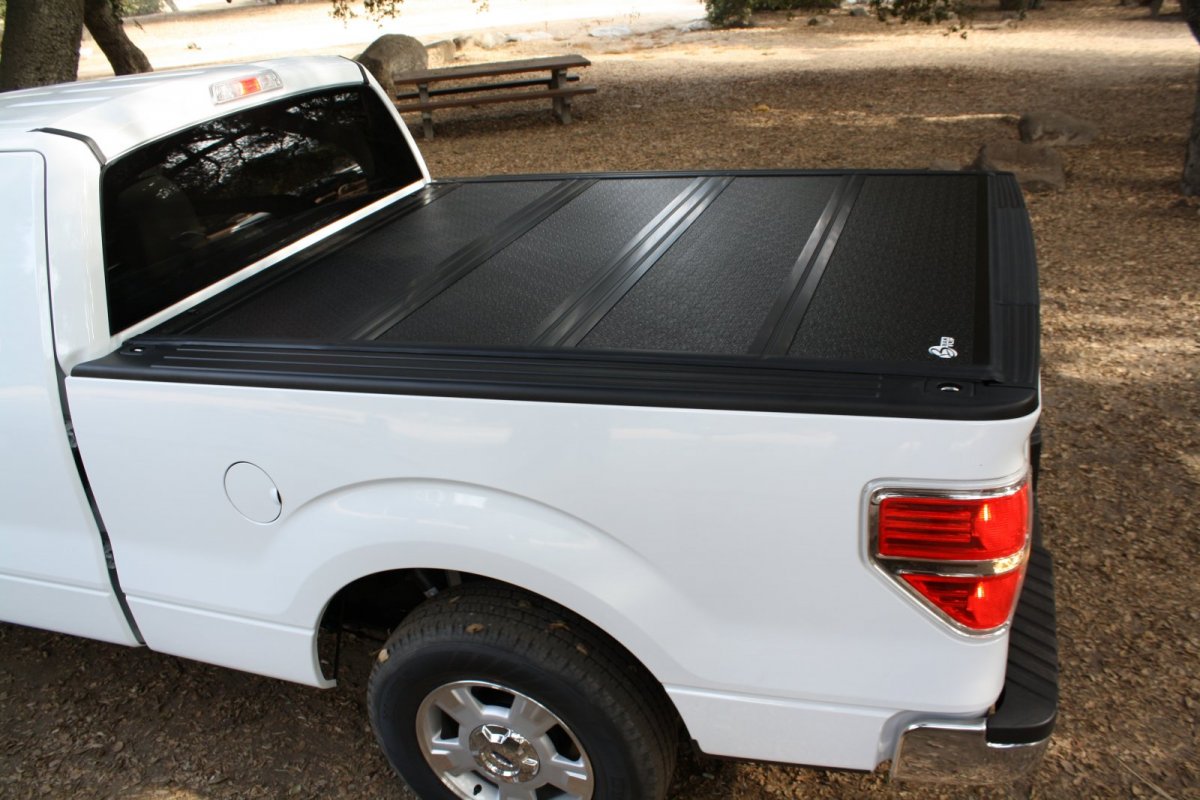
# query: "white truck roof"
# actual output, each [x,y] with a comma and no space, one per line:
[118,114]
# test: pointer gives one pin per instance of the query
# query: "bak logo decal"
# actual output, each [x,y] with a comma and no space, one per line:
[945,349]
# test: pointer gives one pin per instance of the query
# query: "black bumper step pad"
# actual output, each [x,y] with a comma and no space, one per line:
[1028,706]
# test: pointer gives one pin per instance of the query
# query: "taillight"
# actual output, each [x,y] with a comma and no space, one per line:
[945,528]
[981,604]
[962,554]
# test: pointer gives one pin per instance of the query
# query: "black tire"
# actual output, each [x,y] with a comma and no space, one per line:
[496,642]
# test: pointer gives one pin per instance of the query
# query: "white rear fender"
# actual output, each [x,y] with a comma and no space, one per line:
[360,530]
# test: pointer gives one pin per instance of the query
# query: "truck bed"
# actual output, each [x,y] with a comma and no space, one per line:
[749,284]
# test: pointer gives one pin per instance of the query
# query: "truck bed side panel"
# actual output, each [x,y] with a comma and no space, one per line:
[696,538]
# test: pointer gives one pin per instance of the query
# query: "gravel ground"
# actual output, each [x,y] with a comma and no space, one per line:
[1119,253]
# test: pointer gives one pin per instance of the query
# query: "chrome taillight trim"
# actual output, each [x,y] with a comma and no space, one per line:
[893,568]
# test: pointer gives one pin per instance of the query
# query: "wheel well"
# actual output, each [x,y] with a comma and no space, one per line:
[375,604]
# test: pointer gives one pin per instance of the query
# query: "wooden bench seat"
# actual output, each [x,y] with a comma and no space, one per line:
[443,88]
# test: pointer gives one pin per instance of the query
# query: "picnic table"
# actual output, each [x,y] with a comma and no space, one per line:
[450,87]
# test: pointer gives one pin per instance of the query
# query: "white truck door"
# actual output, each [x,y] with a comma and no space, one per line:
[53,572]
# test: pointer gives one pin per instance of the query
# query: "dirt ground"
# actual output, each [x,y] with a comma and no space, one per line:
[1119,253]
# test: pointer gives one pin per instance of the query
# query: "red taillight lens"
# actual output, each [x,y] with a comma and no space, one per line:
[948,529]
[980,604]
[961,555]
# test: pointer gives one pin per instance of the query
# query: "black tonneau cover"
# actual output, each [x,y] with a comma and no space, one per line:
[905,293]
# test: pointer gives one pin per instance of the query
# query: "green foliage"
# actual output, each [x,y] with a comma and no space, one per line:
[135,8]
[736,13]
[793,5]
[729,13]
[378,9]
[375,9]
[927,11]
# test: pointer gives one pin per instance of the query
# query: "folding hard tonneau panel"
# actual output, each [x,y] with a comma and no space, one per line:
[902,284]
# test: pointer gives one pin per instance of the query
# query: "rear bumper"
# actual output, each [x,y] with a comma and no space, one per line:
[1011,740]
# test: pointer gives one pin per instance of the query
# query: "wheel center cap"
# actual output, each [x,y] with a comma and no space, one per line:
[503,753]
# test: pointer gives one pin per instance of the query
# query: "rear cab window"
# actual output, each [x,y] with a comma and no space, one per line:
[192,208]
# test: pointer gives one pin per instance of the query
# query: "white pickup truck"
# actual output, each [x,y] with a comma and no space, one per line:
[617,461]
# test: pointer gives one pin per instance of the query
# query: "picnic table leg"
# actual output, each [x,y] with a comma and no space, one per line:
[426,114]
[562,104]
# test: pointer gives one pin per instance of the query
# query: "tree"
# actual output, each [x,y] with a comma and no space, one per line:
[1191,163]
[41,41]
[102,21]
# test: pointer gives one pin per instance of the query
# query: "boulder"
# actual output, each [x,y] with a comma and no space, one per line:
[443,52]
[1055,128]
[530,36]
[490,40]
[391,54]
[859,11]
[1038,169]
[611,32]
[821,21]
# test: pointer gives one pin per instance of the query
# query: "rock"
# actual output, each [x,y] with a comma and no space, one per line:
[391,54]
[694,25]
[490,40]
[822,21]
[943,165]
[859,11]
[1056,129]
[444,51]
[529,36]
[611,32]
[1038,169]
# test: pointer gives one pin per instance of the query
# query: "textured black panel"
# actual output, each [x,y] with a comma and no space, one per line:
[1006,192]
[1020,344]
[776,334]
[903,275]
[469,281]
[335,294]
[504,301]
[573,320]
[711,292]
[453,269]
[1013,259]
[1028,707]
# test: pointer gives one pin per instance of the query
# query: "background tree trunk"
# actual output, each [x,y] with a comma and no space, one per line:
[41,42]
[108,31]
[1191,164]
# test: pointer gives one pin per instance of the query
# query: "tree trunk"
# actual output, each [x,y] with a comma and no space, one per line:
[1191,164]
[108,31]
[41,42]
